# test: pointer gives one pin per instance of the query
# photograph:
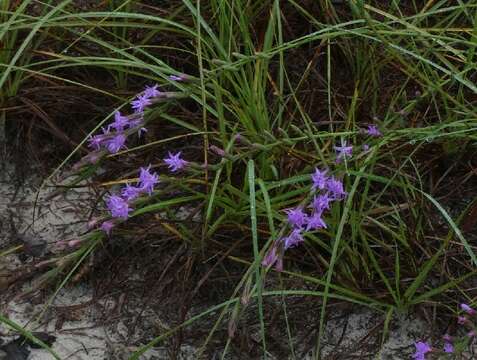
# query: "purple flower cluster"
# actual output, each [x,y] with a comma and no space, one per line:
[422,348]
[302,221]
[114,135]
[119,205]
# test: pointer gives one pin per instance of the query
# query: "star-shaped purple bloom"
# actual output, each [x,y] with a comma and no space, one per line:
[174,162]
[140,103]
[147,180]
[319,179]
[315,222]
[118,207]
[120,122]
[373,131]
[293,239]
[95,142]
[151,91]
[130,192]
[335,188]
[115,143]
[296,217]
[422,348]
[321,203]
[343,151]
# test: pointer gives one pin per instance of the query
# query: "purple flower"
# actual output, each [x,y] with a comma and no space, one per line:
[141,102]
[315,222]
[95,142]
[321,203]
[107,226]
[343,152]
[365,147]
[130,192]
[151,91]
[319,179]
[293,239]
[461,320]
[273,257]
[116,143]
[296,217]
[174,162]
[447,338]
[137,123]
[120,122]
[471,333]
[118,207]
[373,131]
[147,180]
[335,187]
[176,78]
[448,347]
[467,309]
[422,348]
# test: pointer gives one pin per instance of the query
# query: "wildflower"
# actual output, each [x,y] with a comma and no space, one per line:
[319,179]
[116,143]
[141,102]
[120,122]
[118,207]
[422,348]
[95,142]
[293,239]
[74,243]
[296,217]
[136,123]
[147,180]
[315,222]
[373,131]
[217,150]
[467,309]
[92,223]
[471,333]
[130,192]
[461,320]
[447,338]
[151,91]
[448,347]
[321,203]
[107,226]
[335,187]
[343,151]
[177,78]
[365,147]
[273,257]
[174,162]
